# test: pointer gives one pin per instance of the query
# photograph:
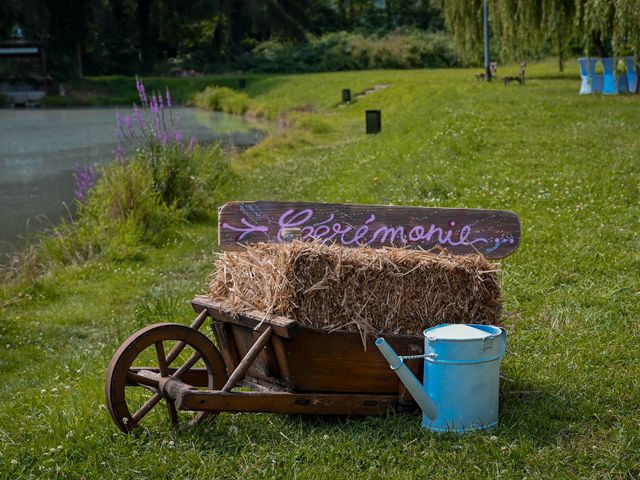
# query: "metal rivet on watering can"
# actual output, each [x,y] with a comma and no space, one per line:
[242,83]
[373,120]
[346,95]
[461,376]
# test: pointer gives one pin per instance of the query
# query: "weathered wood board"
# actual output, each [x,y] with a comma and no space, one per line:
[494,233]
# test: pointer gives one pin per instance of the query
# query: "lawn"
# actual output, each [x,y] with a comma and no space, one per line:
[570,399]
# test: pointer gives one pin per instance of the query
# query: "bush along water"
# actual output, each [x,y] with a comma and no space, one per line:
[158,181]
[222,99]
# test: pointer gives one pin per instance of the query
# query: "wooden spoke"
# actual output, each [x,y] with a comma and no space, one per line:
[123,378]
[162,360]
[142,380]
[175,352]
[187,365]
[146,408]
[179,346]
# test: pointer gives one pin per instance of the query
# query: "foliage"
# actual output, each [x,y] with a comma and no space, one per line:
[345,51]
[222,99]
[609,27]
[529,29]
[170,36]
[569,406]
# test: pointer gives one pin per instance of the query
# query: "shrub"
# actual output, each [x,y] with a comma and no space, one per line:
[223,99]
[351,51]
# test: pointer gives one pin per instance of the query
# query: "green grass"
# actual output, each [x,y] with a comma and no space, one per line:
[570,403]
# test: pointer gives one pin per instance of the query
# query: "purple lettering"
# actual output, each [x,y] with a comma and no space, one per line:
[416,233]
[388,231]
[250,228]
[295,220]
[432,232]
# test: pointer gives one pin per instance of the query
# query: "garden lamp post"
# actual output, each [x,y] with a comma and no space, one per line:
[485,31]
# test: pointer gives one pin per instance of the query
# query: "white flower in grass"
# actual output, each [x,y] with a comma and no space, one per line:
[14,462]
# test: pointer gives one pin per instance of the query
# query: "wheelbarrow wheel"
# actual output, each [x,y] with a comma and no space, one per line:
[152,354]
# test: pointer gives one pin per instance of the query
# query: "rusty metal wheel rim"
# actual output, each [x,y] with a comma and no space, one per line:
[119,376]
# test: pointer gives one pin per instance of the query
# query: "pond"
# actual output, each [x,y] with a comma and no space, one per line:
[39,149]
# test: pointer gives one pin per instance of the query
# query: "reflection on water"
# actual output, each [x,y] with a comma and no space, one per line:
[39,149]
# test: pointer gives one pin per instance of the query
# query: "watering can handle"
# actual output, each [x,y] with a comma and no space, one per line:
[503,338]
[488,342]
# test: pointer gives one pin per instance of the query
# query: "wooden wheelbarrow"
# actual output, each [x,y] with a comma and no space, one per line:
[288,368]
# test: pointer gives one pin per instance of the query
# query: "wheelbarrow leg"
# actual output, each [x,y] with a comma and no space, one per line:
[248,359]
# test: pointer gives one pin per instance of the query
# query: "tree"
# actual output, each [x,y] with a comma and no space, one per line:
[526,28]
[609,27]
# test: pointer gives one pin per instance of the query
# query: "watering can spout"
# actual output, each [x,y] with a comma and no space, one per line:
[410,381]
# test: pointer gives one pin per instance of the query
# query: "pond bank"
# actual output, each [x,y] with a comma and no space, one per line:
[40,148]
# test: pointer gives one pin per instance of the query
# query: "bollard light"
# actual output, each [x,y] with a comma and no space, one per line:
[242,83]
[374,121]
[346,95]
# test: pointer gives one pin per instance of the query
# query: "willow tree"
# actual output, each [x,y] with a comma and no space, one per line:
[609,27]
[520,28]
[529,28]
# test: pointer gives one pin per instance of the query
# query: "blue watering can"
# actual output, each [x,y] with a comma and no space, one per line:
[461,376]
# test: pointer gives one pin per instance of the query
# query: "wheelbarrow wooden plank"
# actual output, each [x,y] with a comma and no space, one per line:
[283,327]
[322,361]
[283,402]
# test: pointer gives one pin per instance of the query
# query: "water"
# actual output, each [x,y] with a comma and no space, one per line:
[39,149]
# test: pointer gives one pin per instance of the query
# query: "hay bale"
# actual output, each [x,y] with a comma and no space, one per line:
[391,290]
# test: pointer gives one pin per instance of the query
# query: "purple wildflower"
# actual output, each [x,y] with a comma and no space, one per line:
[154,104]
[128,124]
[137,114]
[141,92]
[85,179]
[192,144]
[120,154]
[148,126]
[119,119]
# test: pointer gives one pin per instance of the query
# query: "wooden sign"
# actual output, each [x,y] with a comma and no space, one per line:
[494,233]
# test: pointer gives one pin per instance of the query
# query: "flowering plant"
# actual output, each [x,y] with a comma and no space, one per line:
[85,178]
[152,128]
[154,132]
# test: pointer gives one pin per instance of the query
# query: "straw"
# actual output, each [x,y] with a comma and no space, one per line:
[390,290]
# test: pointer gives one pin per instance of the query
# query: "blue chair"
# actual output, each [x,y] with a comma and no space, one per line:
[632,75]
[609,86]
[585,85]
[596,79]
[623,85]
